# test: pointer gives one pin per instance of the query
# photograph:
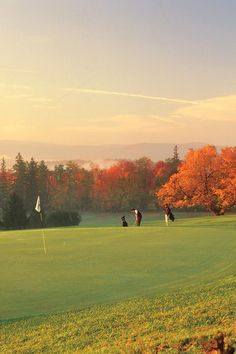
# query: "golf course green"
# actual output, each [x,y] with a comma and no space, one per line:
[96,264]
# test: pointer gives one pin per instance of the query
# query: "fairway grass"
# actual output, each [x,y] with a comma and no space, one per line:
[133,287]
[173,323]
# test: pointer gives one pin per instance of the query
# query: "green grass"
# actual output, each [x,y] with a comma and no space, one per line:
[173,323]
[134,288]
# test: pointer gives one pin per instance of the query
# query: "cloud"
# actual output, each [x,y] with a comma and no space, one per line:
[118,129]
[14,86]
[22,130]
[133,95]
[209,120]
[27,71]
[39,99]
[126,121]
[216,109]
[29,98]
[17,96]
[145,122]
[126,125]
[40,39]
[19,87]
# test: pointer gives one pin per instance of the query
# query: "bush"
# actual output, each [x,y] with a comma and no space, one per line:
[34,220]
[63,218]
[1,225]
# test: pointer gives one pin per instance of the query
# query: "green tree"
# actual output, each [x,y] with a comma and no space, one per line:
[57,187]
[173,162]
[84,188]
[43,185]
[14,214]
[71,200]
[175,157]
[6,183]
[32,189]
[20,172]
[144,183]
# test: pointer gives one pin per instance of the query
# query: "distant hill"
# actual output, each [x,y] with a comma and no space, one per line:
[87,154]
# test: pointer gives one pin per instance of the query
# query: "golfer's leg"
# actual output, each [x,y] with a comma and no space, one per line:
[166,219]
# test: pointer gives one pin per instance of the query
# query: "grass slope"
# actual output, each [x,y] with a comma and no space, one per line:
[136,288]
[173,323]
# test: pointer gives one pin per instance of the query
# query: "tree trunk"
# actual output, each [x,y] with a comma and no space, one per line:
[216,210]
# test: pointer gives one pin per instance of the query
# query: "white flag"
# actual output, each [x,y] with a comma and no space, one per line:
[38,206]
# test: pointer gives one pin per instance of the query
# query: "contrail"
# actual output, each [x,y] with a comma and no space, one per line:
[125,94]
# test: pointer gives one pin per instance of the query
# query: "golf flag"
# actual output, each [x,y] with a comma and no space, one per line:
[38,206]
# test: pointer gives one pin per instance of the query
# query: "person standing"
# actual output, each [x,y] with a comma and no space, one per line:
[138,216]
[168,214]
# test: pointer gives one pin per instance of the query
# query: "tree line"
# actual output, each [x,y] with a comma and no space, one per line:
[205,178]
[70,188]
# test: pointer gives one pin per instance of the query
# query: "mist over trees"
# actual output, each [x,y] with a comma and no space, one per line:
[205,178]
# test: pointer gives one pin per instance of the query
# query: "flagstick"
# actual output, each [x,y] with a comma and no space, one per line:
[44,243]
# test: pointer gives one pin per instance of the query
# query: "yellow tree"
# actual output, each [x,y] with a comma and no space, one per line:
[205,178]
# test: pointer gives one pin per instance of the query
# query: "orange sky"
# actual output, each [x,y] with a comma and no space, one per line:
[86,72]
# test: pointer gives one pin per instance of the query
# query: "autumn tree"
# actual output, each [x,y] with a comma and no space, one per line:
[162,173]
[164,169]
[125,185]
[109,188]
[114,188]
[205,178]
[226,189]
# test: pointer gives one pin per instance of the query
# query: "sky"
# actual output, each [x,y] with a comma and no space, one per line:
[129,71]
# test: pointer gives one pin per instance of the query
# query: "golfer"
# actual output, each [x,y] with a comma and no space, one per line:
[138,216]
[168,214]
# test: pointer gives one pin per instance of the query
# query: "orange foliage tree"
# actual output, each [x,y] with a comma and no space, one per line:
[226,190]
[205,178]
[113,188]
[125,185]
[162,172]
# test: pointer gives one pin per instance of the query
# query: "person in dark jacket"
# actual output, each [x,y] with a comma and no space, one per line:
[168,214]
[138,216]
